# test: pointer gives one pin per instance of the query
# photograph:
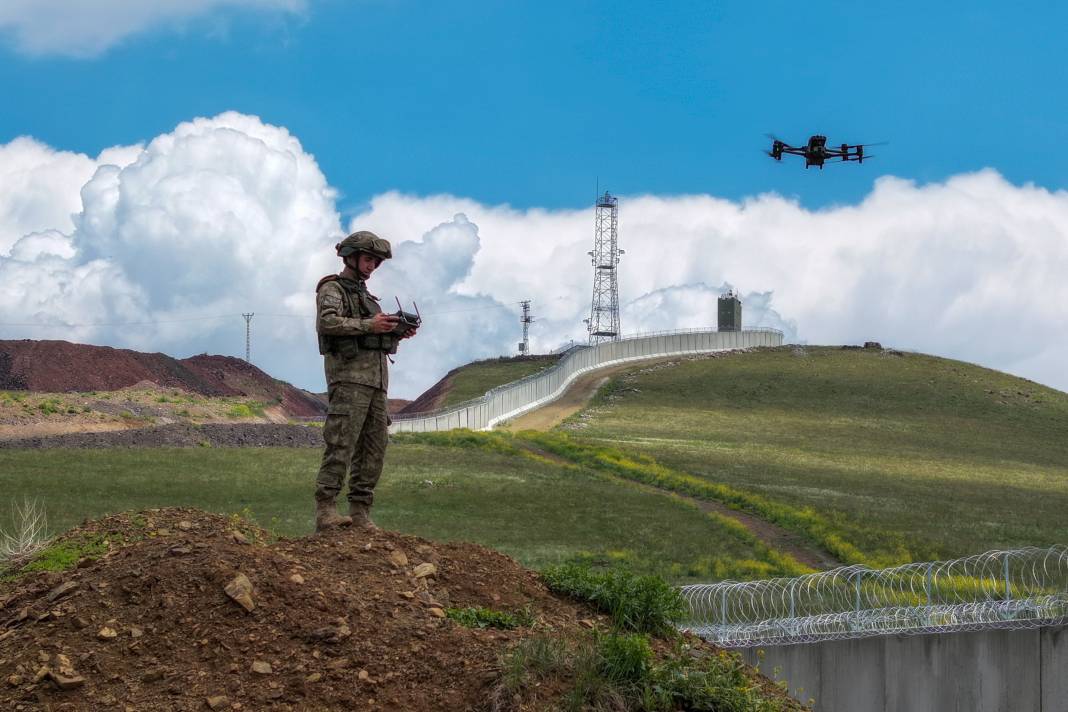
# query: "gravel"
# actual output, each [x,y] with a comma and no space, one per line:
[182,435]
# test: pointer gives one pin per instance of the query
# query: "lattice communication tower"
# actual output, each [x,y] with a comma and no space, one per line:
[248,336]
[603,323]
[525,320]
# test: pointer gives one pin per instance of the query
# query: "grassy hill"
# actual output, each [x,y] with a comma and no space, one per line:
[870,456]
[949,457]
[474,379]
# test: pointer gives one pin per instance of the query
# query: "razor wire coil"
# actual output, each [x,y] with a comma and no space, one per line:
[1019,588]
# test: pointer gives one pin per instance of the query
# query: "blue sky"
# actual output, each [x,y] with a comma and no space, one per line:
[474,136]
[530,103]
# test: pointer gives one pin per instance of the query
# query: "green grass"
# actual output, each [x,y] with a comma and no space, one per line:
[241,410]
[953,457]
[643,604]
[474,379]
[64,555]
[536,511]
[479,617]
[622,672]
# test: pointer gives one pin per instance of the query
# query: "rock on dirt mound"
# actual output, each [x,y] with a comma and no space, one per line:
[188,610]
[60,366]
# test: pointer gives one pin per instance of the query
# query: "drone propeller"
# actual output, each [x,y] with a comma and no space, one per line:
[775,138]
[865,145]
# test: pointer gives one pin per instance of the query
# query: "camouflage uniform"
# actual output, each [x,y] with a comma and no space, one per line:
[357,375]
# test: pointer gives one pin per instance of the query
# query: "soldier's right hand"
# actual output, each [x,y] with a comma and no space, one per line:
[382,323]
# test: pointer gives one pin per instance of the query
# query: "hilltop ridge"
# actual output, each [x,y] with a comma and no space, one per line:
[62,366]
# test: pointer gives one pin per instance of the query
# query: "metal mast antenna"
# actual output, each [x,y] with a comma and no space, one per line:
[525,320]
[603,323]
[248,334]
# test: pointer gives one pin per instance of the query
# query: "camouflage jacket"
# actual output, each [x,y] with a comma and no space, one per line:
[344,309]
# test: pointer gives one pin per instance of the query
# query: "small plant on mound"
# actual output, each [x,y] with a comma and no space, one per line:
[644,604]
[65,555]
[479,617]
[240,410]
[27,534]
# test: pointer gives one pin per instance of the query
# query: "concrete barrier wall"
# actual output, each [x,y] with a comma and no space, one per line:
[1019,670]
[514,399]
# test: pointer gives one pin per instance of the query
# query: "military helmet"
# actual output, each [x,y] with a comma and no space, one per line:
[364,241]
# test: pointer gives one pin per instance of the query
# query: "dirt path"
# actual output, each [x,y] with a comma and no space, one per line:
[575,398]
[770,534]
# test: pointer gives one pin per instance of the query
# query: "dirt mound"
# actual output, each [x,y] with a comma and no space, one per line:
[188,610]
[60,366]
[180,435]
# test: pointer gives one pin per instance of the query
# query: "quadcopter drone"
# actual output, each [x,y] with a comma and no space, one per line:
[816,151]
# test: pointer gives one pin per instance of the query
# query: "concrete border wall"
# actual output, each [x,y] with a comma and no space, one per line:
[514,399]
[1017,670]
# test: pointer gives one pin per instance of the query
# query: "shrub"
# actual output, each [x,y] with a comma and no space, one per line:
[27,534]
[645,604]
[240,410]
[621,672]
[624,658]
[50,406]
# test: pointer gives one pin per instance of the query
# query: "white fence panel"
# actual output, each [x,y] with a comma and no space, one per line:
[514,399]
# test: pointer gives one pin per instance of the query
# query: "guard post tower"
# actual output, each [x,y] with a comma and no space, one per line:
[603,323]
[730,312]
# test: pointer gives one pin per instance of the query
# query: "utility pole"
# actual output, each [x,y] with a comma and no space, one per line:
[525,320]
[248,336]
[603,323]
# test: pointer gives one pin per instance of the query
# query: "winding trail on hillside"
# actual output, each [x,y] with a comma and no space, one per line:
[772,535]
[578,395]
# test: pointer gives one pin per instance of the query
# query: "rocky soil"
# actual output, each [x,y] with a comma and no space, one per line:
[190,611]
[181,435]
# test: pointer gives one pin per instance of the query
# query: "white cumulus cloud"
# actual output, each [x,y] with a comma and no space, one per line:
[163,246]
[82,28]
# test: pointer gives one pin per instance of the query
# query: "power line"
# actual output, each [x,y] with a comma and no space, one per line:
[122,323]
[309,317]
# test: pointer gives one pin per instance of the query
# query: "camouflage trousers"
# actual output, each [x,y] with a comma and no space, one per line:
[355,433]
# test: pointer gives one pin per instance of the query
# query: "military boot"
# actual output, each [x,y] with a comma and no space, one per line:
[360,515]
[326,516]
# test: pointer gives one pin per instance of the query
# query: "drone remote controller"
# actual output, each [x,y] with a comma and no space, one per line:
[406,320]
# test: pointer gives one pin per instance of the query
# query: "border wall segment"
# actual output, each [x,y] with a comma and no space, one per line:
[514,399]
[1014,670]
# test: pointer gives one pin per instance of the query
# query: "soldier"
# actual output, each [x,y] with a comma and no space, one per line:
[355,338]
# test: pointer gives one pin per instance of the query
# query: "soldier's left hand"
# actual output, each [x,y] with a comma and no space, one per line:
[409,334]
